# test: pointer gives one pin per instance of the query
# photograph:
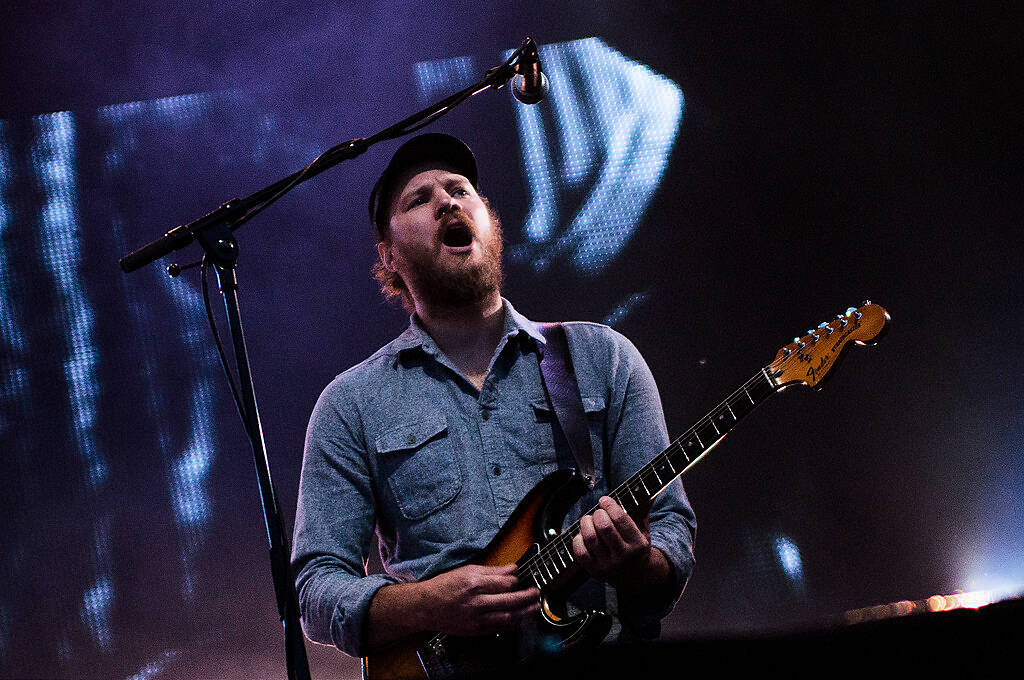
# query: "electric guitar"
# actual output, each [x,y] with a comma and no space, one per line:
[533,540]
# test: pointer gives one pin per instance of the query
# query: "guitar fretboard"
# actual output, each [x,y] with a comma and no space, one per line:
[556,557]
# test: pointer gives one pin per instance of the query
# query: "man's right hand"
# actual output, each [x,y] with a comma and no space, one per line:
[477,600]
[469,600]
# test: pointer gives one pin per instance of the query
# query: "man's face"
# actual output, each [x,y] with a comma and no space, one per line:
[442,241]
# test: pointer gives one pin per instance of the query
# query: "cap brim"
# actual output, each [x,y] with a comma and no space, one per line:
[431,147]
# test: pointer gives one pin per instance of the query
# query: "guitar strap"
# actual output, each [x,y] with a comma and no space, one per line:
[563,392]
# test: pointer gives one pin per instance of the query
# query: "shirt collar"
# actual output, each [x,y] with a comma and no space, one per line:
[416,336]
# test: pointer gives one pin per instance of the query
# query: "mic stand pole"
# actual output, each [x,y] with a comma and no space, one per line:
[221,247]
[214,231]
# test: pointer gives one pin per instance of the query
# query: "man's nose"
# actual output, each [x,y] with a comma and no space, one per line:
[447,205]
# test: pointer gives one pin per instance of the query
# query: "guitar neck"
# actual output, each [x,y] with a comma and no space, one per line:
[556,559]
[638,491]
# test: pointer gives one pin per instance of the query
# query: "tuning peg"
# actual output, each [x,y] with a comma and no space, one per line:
[799,343]
[842,320]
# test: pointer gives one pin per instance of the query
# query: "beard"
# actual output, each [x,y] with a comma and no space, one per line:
[444,286]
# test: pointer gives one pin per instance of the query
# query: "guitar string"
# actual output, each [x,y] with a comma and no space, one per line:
[564,539]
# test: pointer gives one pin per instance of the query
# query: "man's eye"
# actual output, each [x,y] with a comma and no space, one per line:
[460,191]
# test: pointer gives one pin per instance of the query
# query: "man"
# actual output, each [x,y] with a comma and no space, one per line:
[434,439]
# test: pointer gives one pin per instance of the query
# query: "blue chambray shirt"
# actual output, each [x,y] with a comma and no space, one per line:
[403,444]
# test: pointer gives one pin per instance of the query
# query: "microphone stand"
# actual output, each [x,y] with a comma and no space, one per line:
[215,233]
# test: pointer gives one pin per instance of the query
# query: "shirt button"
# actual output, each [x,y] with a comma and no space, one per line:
[496,470]
[411,440]
[485,414]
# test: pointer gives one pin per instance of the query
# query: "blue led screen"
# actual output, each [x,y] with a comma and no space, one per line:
[709,185]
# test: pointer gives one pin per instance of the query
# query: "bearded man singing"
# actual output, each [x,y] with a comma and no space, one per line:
[433,441]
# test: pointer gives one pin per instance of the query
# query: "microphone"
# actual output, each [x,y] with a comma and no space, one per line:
[530,84]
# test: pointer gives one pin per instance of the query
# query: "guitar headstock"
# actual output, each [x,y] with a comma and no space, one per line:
[809,359]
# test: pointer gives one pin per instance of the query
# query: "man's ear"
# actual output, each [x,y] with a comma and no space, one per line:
[384,250]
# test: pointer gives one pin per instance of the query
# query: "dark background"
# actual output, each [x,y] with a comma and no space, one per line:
[825,156]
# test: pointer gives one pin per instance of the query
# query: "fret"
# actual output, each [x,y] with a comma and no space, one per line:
[636,503]
[677,450]
[538,580]
[647,492]
[752,402]
[547,568]
[734,418]
[568,555]
[654,471]
[668,473]
[741,406]
[708,433]
[699,440]
[634,487]
[553,549]
[689,444]
[655,484]
[763,388]
[668,462]
[723,422]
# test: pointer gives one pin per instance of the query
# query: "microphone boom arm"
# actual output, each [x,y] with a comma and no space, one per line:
[237,211]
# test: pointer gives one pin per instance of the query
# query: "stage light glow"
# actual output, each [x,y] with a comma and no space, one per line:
[789,557]
[96,602]
[605,130]
[619,314]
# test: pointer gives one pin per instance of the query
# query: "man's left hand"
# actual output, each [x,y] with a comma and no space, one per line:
[611,547]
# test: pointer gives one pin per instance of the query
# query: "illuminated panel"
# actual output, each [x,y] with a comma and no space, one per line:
[53,156]
[614,124]
[13,380]
[188,466]
[616,121]
[437,79]
[606,129]
[53,161]
[10,334]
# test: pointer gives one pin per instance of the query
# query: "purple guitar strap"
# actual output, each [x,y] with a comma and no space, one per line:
[563,392]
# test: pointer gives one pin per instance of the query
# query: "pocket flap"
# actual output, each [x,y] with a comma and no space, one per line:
[590,405]
[408,436]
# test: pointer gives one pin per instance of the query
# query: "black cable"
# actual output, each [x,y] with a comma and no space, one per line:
[235,392]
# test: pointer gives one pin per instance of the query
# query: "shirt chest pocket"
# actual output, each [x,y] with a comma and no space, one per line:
[593,407]
[421,467]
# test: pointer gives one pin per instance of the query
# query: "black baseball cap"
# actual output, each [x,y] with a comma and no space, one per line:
[432,146]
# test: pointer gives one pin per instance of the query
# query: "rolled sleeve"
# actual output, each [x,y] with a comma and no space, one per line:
[334,523]
[335,602]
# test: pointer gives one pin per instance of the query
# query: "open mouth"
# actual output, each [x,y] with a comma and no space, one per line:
[457,235]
